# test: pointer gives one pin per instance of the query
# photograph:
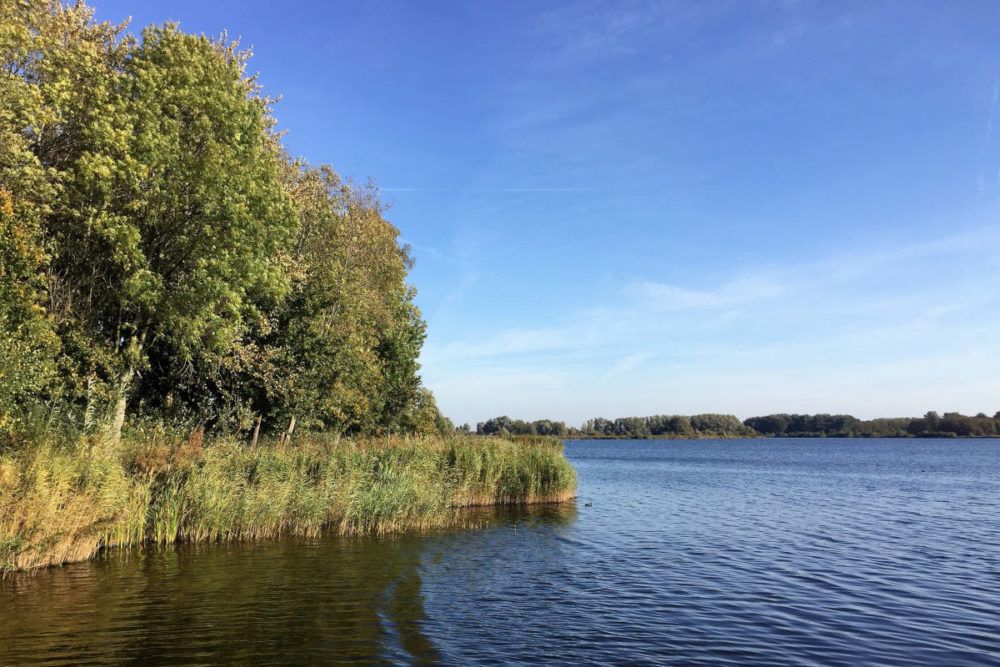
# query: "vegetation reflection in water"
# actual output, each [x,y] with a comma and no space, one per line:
[330,598]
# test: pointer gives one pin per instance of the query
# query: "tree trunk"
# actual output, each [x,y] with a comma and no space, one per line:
[120,405]
[256,432]
[119,419]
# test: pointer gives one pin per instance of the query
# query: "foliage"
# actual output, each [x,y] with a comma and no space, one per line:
[675,426]
[161,255]
[656,426]
[505,426]
[28,343]
[951,424]
[782,424]
[930,425]
[346,339]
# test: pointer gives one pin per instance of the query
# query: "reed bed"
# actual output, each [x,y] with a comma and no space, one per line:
[63,502]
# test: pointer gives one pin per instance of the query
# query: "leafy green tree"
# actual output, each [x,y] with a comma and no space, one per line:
[28,343]
[160,250]
[212,220]
[55,83]
[424,416]
[347,337]
[496,426]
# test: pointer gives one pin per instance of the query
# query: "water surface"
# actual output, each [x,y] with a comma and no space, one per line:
[764,551]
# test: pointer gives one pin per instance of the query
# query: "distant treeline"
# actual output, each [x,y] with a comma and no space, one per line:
[932,424]
[656,426]
[951,424]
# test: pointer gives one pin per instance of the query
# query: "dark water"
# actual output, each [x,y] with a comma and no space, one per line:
[760,552]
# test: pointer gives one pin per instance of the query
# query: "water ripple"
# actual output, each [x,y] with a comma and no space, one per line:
[728,553]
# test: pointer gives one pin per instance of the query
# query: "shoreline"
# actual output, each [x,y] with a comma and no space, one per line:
[935,436]
[62,504]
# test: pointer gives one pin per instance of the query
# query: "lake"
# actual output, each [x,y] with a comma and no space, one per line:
[758,551]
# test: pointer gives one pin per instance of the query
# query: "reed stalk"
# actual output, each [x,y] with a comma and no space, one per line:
[66,501]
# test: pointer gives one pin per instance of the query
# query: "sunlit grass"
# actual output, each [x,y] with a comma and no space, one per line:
[62,502]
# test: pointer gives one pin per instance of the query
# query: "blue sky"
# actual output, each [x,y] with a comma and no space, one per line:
[637,208]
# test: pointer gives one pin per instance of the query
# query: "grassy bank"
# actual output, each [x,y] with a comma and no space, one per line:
[63,502]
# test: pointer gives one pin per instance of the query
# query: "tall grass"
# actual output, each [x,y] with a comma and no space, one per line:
[62,502]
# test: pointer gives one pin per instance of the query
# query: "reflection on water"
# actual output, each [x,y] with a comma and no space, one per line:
[325,599]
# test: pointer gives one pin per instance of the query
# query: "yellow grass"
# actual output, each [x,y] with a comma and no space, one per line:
[63,502]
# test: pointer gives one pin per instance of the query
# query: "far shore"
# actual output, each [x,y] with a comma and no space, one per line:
[796,436]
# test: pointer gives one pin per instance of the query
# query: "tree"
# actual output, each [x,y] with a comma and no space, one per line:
[213,220]
[58,75]
[348,336]
[28,343]
[496,426]
[425,418]
[160,250]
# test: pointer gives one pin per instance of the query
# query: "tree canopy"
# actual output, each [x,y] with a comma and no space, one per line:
[930,425]
[161,254]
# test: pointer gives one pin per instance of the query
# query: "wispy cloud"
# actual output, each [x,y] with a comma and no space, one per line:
[605,30]
[663,297]
[642,304]
[506,343]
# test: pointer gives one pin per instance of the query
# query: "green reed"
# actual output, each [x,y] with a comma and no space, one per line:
[62,502]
